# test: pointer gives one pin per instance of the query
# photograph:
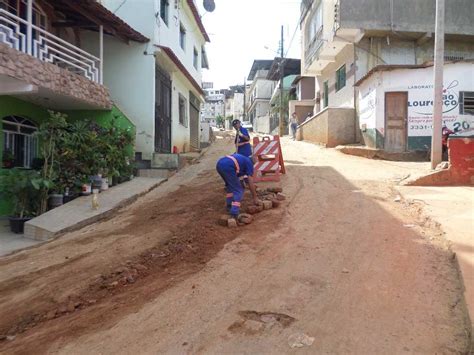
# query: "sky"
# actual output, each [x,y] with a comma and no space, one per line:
[241,29]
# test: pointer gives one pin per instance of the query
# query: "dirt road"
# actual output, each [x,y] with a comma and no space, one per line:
[341,261]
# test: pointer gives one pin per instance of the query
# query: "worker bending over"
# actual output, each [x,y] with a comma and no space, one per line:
[242,140]
[231,168]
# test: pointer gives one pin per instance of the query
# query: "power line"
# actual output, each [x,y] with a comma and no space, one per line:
[118,8]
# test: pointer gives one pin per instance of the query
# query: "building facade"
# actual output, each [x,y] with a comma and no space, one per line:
[161,86]
[214,107]
[344,39]
[46,64]
[260,91]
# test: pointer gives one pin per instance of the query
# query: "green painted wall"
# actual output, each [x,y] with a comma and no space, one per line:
[419,143]
[10,106]
[373,138]
[104,118]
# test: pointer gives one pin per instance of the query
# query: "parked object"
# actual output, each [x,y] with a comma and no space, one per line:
[96,182]
[104,184]
[69,198]
[22,188]
[55,200]
[86,189]
[17,224]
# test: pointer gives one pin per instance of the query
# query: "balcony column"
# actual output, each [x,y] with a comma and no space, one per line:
[29,29]
[101,56]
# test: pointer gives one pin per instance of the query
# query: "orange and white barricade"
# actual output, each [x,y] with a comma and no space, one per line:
[268,159]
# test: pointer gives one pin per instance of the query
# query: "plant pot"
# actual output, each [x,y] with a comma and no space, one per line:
[86,189]
[96,182]
[55,200]
[17,224]
[104,185]
[69,198]
[115,180]
[123,179]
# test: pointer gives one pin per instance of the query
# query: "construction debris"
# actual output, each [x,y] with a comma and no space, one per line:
[245,218]
[232,223]
[280,196]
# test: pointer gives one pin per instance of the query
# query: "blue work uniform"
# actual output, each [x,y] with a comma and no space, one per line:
[243,146]
[231,168]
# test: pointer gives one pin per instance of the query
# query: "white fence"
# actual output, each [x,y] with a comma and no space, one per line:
[46,47]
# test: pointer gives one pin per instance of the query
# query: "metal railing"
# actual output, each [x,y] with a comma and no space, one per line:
[47,47]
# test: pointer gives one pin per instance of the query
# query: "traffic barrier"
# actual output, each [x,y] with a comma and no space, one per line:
[268,159]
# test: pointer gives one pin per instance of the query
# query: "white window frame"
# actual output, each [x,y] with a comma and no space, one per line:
[31,141]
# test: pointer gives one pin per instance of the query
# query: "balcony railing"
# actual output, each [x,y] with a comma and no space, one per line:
[46,47]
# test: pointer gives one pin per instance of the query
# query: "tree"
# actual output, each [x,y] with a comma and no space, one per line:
[220,121]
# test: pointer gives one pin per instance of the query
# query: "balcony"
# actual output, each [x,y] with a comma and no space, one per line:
[25,37]
[51,51]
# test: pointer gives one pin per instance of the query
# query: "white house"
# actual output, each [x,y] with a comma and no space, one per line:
[260,91]
[159,84]
[343,40]
[395,104]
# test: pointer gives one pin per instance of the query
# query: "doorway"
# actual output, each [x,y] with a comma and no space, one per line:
[396,117]
[162,111]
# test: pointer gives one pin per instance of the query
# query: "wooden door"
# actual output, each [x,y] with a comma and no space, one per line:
[162,112]
[396,109]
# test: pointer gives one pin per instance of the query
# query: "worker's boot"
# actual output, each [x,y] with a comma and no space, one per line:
[235,209]
[228,201]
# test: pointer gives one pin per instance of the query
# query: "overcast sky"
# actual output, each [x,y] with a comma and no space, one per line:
[240,30]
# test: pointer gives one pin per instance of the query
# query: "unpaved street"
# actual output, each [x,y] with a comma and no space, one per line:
[340,261]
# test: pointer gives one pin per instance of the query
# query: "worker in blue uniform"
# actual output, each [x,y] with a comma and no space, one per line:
[242,140]
[231,168]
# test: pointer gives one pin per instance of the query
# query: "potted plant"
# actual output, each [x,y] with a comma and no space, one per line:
[22,188]
[51,133]
[8,160]
[55,199]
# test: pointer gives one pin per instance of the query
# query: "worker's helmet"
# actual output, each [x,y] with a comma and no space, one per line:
[234,122]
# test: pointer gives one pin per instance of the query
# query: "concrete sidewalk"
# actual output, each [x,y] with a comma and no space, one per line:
[453,208]
[11,242]
[79,213]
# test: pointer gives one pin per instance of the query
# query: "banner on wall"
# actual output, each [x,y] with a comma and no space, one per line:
[367,109]
[420,108]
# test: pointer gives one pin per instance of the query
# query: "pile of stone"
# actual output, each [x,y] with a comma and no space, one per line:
[270,198]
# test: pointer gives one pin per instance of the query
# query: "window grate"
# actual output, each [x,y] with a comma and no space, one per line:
[466,102]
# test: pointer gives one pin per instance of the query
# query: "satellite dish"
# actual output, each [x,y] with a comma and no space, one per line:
[209,5]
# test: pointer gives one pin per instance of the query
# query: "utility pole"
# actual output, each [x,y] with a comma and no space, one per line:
[436,137]
[245,94]
[281,123]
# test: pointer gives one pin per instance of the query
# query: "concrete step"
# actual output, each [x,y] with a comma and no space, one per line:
[165,161]
[155,173]
[79,213]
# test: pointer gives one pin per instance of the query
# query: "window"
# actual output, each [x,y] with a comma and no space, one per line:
[325,94]
[20,146]
[182,36]
[466,102]
[341,78]
[164,10]
[315,23]
[204,61]
[183,117]
[195,58]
